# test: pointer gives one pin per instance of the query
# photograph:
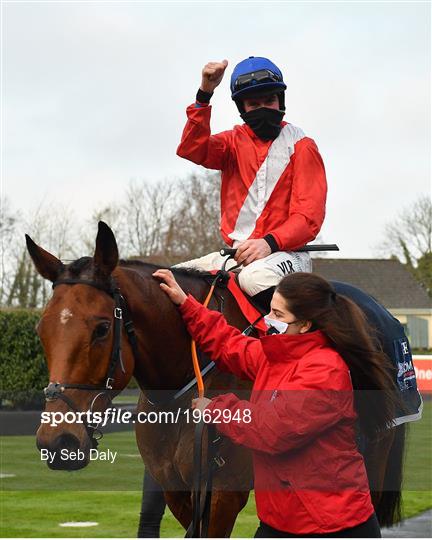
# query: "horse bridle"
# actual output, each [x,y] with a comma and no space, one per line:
[55,390]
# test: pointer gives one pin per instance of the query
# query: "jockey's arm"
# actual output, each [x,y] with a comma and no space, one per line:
[197,143]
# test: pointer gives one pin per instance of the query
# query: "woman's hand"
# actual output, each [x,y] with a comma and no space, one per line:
[170,286]
[200,403]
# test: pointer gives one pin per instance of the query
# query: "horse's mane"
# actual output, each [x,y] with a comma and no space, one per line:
[75,268]
[183,271]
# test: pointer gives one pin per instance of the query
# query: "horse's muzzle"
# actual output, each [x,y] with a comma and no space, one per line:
[64,453]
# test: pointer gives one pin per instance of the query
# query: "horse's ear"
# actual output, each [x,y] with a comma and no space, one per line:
[48,266]
[106,253]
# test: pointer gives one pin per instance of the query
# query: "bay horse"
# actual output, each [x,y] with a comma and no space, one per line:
[81,338]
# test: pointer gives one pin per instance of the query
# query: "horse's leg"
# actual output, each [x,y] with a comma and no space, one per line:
[225,507]
[179,503]
[152,508]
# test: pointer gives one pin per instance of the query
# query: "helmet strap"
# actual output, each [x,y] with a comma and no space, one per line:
[240,106]
[281,96]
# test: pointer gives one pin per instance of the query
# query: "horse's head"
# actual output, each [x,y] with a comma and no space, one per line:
[80,330]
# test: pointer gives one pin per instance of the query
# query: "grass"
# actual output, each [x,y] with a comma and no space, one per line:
[37,499]
[418,455]
[417,487]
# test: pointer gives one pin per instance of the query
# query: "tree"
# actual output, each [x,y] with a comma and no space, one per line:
[193,229]
[147,211]
[423,271]
[166,222]
[409,238]
[55,228]
[9,221]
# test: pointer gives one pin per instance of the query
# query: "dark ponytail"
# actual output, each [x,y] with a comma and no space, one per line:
[312,298]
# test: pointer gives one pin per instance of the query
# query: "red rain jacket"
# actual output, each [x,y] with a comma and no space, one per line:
[309,476]
[295,211]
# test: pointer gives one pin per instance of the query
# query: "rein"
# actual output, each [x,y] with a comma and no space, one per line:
[202,494]
[219,276]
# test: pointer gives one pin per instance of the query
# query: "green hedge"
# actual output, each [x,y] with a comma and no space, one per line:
[23,372]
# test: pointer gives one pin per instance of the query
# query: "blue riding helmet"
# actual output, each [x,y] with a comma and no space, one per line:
[255,75]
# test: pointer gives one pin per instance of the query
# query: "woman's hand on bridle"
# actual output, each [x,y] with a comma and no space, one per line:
[170,286]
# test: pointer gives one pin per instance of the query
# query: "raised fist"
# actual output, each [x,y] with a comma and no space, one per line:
[212,75]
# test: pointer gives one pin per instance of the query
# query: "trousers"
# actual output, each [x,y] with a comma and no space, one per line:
[258,275]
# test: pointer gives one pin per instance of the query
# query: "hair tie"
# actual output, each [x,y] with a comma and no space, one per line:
[333,296]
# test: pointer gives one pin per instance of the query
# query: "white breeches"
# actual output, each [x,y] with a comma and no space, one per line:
[258,275]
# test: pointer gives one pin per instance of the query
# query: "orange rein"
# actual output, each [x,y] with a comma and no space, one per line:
[195,362]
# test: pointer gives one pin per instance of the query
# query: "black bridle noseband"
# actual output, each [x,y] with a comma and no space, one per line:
[55,390]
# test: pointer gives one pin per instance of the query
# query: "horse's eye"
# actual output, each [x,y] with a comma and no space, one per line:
[101,330]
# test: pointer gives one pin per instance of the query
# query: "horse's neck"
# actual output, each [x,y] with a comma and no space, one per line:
[164,361]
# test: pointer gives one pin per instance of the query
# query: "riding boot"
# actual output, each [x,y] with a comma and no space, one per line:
[152,508]
[262,299]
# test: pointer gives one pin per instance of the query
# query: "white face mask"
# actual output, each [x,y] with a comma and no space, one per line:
[280,326]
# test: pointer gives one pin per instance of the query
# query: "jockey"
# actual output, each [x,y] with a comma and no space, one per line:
[273,190]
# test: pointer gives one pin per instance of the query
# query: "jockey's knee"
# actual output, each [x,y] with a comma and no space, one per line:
[265,273]
[255,278]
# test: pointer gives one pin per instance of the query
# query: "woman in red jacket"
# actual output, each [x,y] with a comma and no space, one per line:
[309,477]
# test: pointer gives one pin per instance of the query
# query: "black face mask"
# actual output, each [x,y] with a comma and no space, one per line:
[264,122]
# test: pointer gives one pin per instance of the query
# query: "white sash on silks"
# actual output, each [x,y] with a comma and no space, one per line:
[265,181]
